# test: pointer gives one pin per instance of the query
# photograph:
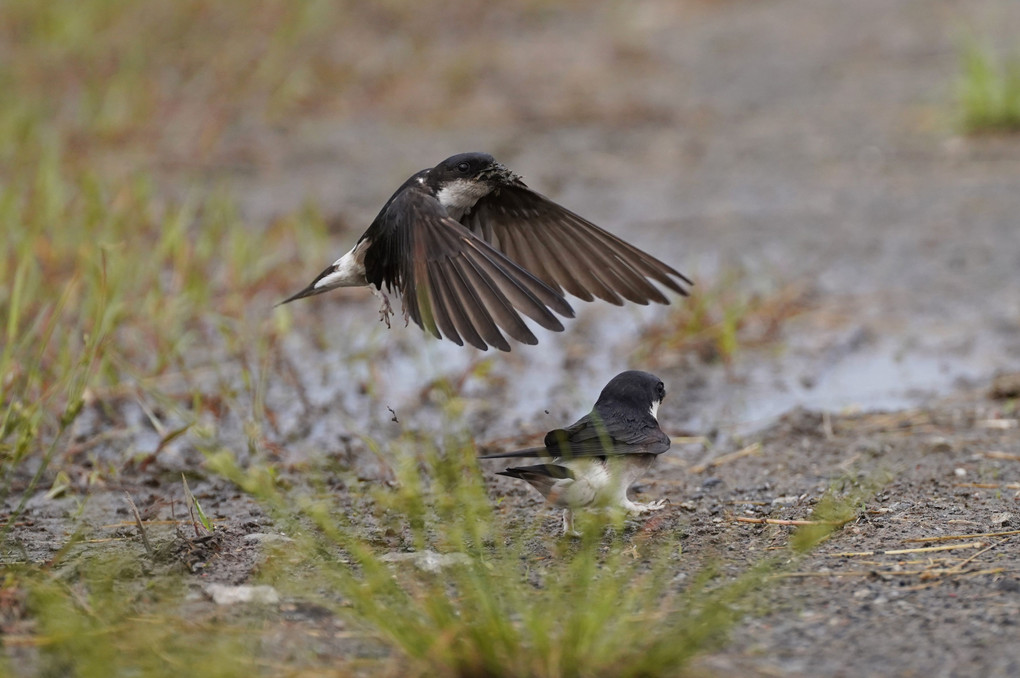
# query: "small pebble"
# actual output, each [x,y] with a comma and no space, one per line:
[228,595]
[428,561]
[1001,519]
[267,538]
[861,594]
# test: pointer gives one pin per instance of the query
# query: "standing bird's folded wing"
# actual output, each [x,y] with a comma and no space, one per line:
[591,436]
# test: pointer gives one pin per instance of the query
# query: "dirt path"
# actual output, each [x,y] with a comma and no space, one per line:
[925,582]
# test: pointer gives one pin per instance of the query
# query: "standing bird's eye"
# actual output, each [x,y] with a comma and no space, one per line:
[463,167]
[661,390]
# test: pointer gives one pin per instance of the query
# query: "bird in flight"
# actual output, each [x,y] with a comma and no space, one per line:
[593,462]
[469,247]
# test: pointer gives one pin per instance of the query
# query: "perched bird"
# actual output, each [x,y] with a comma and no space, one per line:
[468,247]
[595,460]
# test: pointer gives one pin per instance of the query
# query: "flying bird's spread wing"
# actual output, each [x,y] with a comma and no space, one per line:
[453,283]
[470,249]
[567,251]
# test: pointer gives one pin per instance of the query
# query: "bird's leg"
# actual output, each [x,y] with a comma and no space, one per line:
[568,524]
[385,311]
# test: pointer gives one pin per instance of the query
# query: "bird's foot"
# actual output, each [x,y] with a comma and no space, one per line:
[385,311]
[637,509]
[568,524]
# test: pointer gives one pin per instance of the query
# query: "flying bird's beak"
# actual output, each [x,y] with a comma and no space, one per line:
[501,172]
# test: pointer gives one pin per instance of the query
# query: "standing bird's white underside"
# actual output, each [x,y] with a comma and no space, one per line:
[597,483]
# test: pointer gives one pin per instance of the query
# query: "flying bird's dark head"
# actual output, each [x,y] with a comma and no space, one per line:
[473,167]
[633,389]
[463,179]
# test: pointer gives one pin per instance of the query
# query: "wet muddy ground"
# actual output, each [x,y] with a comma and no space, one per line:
[777,145]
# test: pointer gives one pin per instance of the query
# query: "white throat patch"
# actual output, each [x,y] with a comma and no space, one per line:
[655,409]
[460,195]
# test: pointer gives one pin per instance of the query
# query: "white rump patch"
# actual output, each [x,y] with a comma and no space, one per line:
[348,270]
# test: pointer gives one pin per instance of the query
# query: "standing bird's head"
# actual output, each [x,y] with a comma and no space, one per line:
[633,389]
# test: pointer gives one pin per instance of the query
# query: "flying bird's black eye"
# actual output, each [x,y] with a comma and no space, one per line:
[463,167]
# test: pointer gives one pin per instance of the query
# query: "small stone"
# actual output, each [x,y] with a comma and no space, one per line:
[1009,585]
[429,561]
[861,594]
[228,595]
[959,472]
[1001,519]
[1005,386]
[267,538]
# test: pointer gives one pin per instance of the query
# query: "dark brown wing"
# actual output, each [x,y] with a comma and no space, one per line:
[590,436]
[451,282]
[567,251]
[593,436]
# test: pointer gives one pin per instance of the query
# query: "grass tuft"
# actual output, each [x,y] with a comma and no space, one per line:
[988,90]
[719,321]
[116,620]
[843,502]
